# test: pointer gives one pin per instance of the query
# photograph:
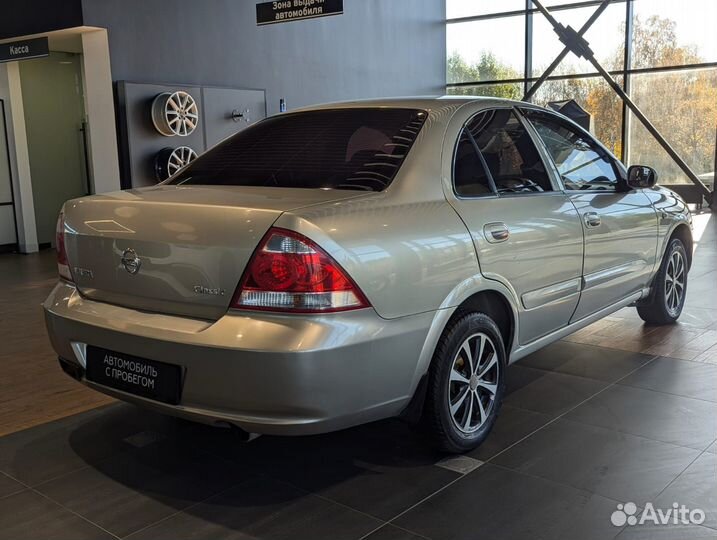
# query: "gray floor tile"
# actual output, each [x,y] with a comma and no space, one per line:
[30,516]
[547,392]
[667,532]
[617,465]
[380,469]
[9,486]
[266,509]
[512,425]
[713,448]
[695,488]
[656,415]
[137,488]
[494,502]
[37,454]
[681,377]
[586,360]
[44,452]
[389,532]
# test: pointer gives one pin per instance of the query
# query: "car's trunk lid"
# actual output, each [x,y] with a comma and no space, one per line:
[192,243]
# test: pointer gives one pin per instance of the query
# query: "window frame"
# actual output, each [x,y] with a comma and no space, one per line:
[491,182]
[617,166]
[551,173]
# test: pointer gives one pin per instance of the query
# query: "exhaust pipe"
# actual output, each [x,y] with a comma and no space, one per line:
[242,435]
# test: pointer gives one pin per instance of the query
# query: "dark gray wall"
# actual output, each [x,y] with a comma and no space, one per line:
[38,16]
[376,48]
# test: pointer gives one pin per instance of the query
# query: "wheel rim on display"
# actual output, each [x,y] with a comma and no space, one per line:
[675,283]
[473,383]
[175,114]
[171,160]
[179,158]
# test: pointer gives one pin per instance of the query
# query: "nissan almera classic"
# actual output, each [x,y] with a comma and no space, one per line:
[356,261]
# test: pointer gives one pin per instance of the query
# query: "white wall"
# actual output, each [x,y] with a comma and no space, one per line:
[99,108]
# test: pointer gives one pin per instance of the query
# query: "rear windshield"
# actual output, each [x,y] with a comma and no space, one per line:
[359,149]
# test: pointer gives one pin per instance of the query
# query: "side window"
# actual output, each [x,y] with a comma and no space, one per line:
[469,175]
[509,153]
[580,161]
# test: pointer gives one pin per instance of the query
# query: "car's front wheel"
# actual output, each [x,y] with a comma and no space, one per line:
[466,383]
[669,288]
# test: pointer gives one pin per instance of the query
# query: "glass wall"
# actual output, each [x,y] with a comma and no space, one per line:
[669,69]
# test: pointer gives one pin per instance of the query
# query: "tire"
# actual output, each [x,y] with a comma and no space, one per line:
[468,424]
[669,287]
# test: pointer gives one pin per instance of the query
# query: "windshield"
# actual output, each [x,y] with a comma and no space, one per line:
[355,148]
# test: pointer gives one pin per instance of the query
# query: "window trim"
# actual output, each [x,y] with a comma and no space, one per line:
[556,187]
[561,119]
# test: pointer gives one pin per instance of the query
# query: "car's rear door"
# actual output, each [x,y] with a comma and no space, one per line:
[526,232]
[620,226]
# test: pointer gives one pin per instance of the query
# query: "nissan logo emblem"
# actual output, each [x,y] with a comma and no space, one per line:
[131,261]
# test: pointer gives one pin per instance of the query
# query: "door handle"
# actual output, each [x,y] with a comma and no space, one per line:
[496,232]
[592,219]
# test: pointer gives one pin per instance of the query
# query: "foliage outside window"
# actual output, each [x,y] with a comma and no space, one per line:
[682,104]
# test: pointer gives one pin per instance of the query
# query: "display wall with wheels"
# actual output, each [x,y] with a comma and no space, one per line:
[164,127]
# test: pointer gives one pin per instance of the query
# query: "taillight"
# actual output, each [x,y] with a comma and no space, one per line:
[63,265]
[288,272]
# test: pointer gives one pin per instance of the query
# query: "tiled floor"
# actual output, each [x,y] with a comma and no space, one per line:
[32,389]
[616,413]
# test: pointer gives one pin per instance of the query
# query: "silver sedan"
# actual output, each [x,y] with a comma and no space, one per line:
[356,261]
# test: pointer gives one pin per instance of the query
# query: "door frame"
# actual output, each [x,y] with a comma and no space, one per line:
[11,203]
[99,111]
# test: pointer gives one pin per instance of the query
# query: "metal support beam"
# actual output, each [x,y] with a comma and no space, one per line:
[534,88]
[713,203]
[627,81]
[577,44]
[528,71]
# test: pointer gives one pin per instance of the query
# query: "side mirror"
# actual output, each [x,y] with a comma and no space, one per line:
[641,176]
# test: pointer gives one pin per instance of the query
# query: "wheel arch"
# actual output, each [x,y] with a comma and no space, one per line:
[497,307]
[684,233]
[494,303]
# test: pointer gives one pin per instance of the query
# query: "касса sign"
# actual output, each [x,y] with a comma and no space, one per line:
[22,50]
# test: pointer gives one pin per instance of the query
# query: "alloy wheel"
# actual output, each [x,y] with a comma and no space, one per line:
[675,283]
[175,113]
[473,383]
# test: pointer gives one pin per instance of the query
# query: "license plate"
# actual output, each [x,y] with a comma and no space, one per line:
[139,376]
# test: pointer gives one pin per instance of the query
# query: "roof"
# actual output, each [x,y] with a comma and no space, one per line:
[431,103]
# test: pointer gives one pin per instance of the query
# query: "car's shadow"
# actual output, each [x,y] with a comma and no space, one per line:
[379,469]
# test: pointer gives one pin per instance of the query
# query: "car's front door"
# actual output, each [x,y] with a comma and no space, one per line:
[527,234]
[620,226]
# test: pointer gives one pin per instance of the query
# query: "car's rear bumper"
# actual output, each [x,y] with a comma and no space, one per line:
[262,372]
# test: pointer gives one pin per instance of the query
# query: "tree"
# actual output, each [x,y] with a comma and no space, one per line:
[682,105]
[488,68]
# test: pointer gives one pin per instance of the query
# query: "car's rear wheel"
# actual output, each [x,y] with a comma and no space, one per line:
[669,288]
[466,383]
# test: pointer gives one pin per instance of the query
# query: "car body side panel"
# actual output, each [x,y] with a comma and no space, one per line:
[542,227]
[671,211]
[407,258]
[541,261]
[620,253]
